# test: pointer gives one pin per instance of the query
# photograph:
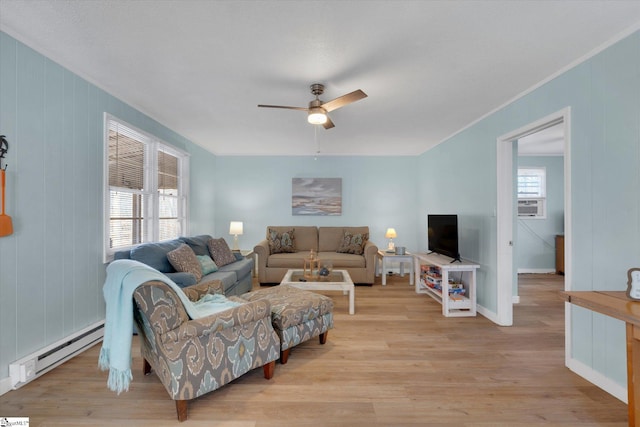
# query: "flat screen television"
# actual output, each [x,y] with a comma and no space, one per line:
[443,235]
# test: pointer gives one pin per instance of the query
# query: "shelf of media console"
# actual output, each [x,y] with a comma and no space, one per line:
[432,278]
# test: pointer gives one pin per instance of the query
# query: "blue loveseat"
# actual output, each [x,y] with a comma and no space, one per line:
[235,277]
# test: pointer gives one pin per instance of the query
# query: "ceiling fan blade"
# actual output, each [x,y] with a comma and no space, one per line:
[343,100]
[283,106]
[328,124]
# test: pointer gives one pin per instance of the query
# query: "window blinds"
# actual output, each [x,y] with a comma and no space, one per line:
[146,200]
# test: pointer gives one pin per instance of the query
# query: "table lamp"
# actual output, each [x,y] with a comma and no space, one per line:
[235,228]
[390,234]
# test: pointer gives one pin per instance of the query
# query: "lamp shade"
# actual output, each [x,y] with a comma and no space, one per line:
[235,228]
[391,233]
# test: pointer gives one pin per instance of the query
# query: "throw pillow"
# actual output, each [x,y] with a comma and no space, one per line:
[184,260]
[353,243]
[220,252]
[281,242]
[206,264]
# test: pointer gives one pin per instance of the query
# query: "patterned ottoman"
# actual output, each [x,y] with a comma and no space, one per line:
[297,315]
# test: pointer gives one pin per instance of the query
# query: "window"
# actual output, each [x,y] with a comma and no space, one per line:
[532,192]
[146,188]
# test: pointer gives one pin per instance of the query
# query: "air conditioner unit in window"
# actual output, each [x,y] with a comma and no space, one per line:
[531,207]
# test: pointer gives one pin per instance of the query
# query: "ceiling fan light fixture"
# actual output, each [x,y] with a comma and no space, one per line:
[317,116]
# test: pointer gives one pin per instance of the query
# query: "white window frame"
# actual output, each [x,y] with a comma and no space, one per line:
[153,145]
[540,196]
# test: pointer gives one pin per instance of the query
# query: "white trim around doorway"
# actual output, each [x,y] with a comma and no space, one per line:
[505,211]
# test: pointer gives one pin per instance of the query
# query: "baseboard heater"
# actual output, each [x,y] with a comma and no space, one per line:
[39,363]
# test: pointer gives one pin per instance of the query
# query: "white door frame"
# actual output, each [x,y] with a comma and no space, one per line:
[505,213]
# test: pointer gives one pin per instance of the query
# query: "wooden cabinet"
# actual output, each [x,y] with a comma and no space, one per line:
[560,254]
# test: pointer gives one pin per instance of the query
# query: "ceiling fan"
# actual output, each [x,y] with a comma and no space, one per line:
[318,109]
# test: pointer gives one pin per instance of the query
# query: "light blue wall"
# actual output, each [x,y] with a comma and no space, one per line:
[457,177]
[604,96]
[51,270]
[535,239]
[376,191]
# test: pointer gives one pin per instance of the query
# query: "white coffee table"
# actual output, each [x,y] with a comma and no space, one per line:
[338,280]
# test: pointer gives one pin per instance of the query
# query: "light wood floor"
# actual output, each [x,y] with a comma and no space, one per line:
[396,362]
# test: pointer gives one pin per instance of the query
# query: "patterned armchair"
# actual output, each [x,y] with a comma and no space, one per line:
[194,357]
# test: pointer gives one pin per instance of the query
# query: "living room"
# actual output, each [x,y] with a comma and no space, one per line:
[53,120]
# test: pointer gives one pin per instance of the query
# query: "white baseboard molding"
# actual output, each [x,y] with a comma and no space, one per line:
[613,388]
[5,385]
[491,315]
[515,299]
[536,270]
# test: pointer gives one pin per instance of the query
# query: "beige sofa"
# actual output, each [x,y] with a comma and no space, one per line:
[325,241]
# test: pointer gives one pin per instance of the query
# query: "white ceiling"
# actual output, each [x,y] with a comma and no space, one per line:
[430,68]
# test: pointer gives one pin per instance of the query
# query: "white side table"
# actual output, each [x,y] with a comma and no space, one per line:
[384,257]
[250,253]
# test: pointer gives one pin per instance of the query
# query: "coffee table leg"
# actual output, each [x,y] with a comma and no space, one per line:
[352,297]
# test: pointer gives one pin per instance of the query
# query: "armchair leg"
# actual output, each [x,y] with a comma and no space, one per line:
[269,369]
[323,337]
[146,367]
[181,409]
[284,356]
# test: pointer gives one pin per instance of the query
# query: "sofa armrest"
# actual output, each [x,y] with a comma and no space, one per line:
[263,252]
[233,317]
[262,249]
[369,252]
[195,292]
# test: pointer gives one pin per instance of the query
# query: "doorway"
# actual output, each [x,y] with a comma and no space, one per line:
[506,208]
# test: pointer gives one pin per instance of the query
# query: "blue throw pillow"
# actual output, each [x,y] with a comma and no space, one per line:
[207,264]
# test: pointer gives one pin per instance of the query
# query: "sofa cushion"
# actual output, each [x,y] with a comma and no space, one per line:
[220,252]
[227,278]
[306,236]
[281,242]
[342,260]
[182,279]
[197,243]
[155,255]
[206,264]
[330,238]
[290,260]
[242,267]
[353,243]
[184,260]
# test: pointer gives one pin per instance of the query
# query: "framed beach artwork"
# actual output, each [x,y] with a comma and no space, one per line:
[316,196]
